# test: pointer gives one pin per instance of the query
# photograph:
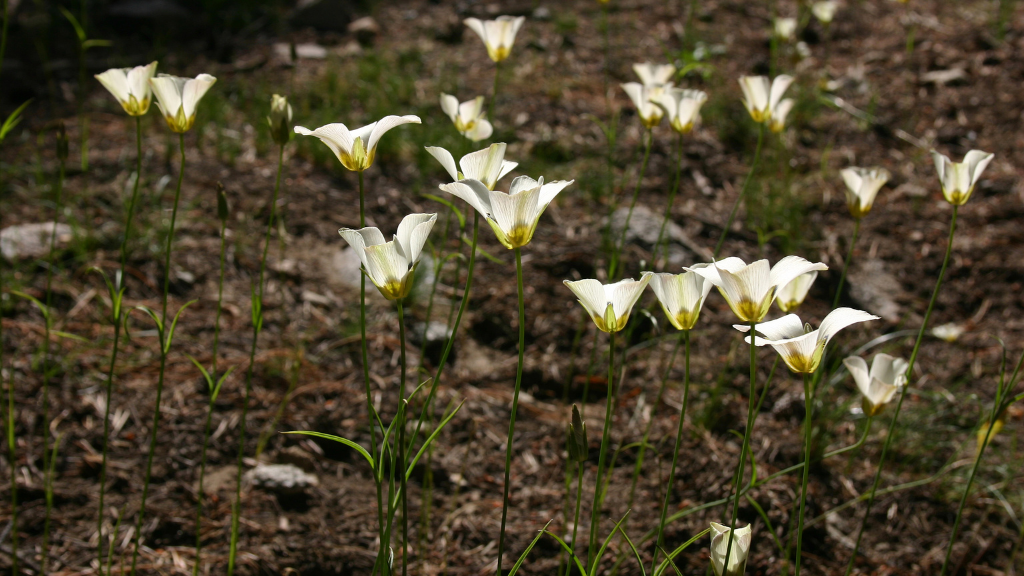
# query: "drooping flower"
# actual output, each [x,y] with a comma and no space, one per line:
[795,291]
[178,97]
[681,296]
[644,98]
[824,11]
[654,74]
[391,265]
[801,349]
[682,107]
[785,28]
[280,119]
[950,332]
[958,178]
[498,35]
[761,96]
[130,86]
[609,305]
[777,123]
[512,216]
[487,165]
[720,549]
[356,148]
[879,384]
[862,185]
[751,289]
[469,117]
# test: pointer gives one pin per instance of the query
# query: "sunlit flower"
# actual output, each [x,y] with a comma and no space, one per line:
[654,74]
[498,35]
[356,148]
[609,305]
[178,97]
[644,98]
[862,185]
[795,291]
[878,385]
[130,86]
[761,96]
[512,216]
[751,289]
[958,178]
[785,28]
[681,296]
[682,107]
[391,265]
[949,332]
[720,549]
[824,11]
[777,122]
[280,119]
[487,165]
[469,117]
[801,348]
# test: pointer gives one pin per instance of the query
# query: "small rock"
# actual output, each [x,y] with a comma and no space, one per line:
[943,77]
[220,480]
[296,456]
[437,335]
[644,226]
[345,268]
[323,15]
[365,30]
[31,240]
[281,478]
[542,13]
[874,289]
[309,51]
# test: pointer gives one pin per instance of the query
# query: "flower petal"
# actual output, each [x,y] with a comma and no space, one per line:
[481,130]
[484,165]
[790,267]
[624,293]
[450,106]
[858,369]
[115,81]
[387,123]
[778,89]
[412,234]
[591,295]
[336,136]
[360,239]
[193,91]
[976,161]
[841,318]
[472,191]
[445,158]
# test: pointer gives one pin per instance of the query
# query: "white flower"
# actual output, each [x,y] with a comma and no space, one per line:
[682,107]
[777,123]
[391,265]
[654,74]
[948,332]
[824,11]
[720,549]
[785,28]
[681,296]
[879,385]
[512,216]
[761,96]
[862,185]
[793,293]
[468,117]
[487,165]
[130,86]
[498,35]
[801,349]
[958,178]
[356,148]
[178,97]
[751,289]
[644,98]
[609,305]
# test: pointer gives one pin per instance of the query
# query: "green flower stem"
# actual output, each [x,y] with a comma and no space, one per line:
[3,50]
[236,509]
[220,297]
[401,441]
[494,92]
[903,390]
[199,493]
[117,337]
[12,464]
[595,513]
[671,200]
[617,250]
[684,336]
[808,427]
[742,194]
[576,517]
[846,263]
[515,402]
[164,349]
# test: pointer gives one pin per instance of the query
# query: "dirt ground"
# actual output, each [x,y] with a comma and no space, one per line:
[891,109]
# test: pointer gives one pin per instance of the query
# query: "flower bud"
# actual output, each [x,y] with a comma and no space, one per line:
[222,204]
[280,119]
[62,143]
[579,448]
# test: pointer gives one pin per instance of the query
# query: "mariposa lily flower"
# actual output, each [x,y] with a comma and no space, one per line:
[793,294]
[280,119]
[130,86]
[487,165]
[879,384]
[785,28]
[498,35]
[862,185]
[949,332]
[644,98]
[761,96]
[801,348]
[824,11]
[391,265]
[958,178]
[654,74]
[178,97]
[356,148]
[681,296]
[468,117]
[682,107]
[720,549]
[777,122]
[609,305]
[751,289]
[512,216]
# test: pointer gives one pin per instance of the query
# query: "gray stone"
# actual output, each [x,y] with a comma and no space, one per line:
[365,30]
[644,226]
[281,478]
[943,77]
[296,456]
[875,290]
[31,240]
[345,268]
[324,15]
[308,51]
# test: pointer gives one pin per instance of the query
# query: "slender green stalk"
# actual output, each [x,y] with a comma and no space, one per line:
[494,92]
[671,200]
[617,249]
[199,493]
[401,442]
[164,349]
[684,336]
[576,516]
[846,263]
[236,510]
[903,390]
[11,460]
[220,296]
[743,192]
[3,35]
[808,427]
[116,318]
[595,512]
[515,401]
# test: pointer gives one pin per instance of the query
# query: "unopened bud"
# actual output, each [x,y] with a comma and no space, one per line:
[579,448]
[222,203]
[62,142]
[280,119]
